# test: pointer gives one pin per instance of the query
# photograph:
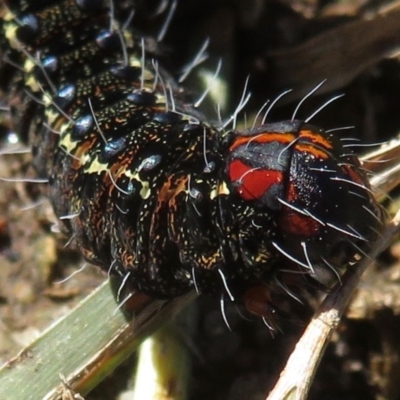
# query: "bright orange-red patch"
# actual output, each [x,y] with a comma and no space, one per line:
[253,183]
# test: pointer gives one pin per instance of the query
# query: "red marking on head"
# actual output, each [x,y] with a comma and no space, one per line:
[252,183]
[257,300]
[355,176]
[295,222]
[292,194]
[299,224]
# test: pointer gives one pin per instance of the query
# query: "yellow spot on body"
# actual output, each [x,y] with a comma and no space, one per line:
[66,140]
[29,66]
[95,167]
[129,39]
[10,31]
[51,115]
[222,188]
[9,16]
[145,191]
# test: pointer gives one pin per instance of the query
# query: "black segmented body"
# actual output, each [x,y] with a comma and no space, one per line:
[151,190]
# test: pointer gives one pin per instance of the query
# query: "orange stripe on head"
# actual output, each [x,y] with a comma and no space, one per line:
[309,148]
[316,138]
[265,137]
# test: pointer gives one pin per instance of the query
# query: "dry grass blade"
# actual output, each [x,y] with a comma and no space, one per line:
[296,378]
[85,346]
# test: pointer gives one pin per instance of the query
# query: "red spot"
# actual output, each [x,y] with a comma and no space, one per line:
[252,183]
[292,194]
[355,175]
[299,224]
[257,300]
[295,222]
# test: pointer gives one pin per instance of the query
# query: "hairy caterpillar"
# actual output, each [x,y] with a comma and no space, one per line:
[153,191]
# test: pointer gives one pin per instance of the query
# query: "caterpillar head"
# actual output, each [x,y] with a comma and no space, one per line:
[313,191]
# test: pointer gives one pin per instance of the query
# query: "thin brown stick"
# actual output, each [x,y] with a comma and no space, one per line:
[295,380]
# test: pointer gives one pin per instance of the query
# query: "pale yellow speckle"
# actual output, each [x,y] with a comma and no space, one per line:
[145,191]
[95,167]
[222,188]
[10,32]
